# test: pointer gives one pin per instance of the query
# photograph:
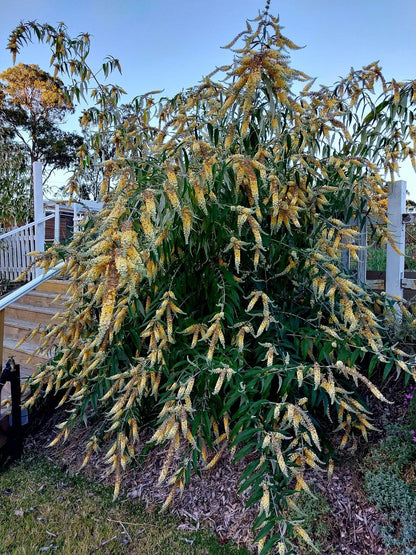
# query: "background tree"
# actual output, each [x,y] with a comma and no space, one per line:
[32,106]
[97,149]
[209,296]
[14,182]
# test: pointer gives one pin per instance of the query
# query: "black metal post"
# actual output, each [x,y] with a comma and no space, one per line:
[16,437]
[11,373]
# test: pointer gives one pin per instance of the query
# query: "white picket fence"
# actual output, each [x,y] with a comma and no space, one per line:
[395,282]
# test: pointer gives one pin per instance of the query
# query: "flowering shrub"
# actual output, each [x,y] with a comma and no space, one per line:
[208,297]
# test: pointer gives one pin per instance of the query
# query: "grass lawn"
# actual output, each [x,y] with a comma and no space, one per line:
[45,510]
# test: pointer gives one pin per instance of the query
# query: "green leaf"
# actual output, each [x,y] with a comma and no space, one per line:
[249,469]
[387,369]
[270,544]
[253,480]
[265,530]
[245,435]
[249,448]
[256,492]
[372,364]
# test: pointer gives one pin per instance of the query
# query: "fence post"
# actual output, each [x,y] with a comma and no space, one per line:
[362,253]
[38,210]
[57,235]
[76,217]
[396,207]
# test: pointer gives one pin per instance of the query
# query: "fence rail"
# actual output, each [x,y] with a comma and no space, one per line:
[394,281]
[15,246]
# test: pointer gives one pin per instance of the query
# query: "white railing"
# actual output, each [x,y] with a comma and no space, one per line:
[394,282]
[15,246]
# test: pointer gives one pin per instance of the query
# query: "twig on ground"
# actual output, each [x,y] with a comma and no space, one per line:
[102,544]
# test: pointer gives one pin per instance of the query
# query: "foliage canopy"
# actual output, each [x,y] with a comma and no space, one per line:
[14,183]
[32,104]
[209,296]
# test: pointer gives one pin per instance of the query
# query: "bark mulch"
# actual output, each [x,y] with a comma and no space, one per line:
[211,501]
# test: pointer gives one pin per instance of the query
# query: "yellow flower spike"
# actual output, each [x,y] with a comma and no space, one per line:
[134,429]
[237,246]
[241,219]
[213,422]
[256,258]
[174,308]
[156,383]
[316,375]
[266,441]
[265,500]
[109,300]
[263,326]
[187,222]
[167,463]
[204,453]
[171,175]
[196,330]
[169,498]
[229,137]
[184,423]
[172,196]
[303,534]
[149,199]
[169,324]
[199,195]
[300,375]
[255,295]
[146,223]
[343,441]
[226,422]
[191,439]
[240,338]
[255,228]
[177,440]
[271,351]
[219,383]
[189,386]
[188,403]
[261,544]
[216,458]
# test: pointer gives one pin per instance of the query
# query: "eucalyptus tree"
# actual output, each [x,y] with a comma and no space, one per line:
[14,183]
[33,105]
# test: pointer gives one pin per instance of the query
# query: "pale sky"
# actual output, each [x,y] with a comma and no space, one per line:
[172,44]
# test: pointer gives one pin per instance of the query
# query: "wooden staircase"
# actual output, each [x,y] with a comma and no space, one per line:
[21,317]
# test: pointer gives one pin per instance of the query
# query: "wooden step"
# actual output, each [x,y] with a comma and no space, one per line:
[44,298]
[28,313]
[22,353]
[15,329]
[22,317]
[54,286]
